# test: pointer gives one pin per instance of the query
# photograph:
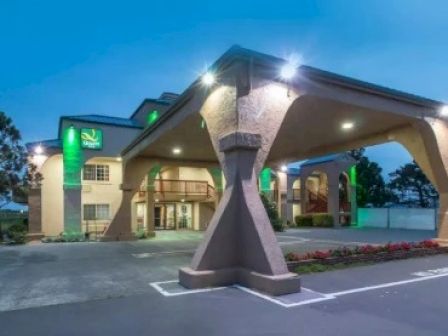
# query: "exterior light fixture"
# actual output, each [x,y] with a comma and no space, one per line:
[177,150]
[288,71]
[444,111]
[156,200]
[182,200]
[38,150]
[348,125]
[71,134]
[208,78]
[284,168]
[118,159]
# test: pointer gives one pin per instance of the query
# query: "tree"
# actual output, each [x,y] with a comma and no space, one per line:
[370,186]
[411,186]
[15,173]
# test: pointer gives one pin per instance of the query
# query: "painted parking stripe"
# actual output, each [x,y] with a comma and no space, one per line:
[155,254]
[436,271]
[279,300]
[159,287]
[321,297]
[388,284]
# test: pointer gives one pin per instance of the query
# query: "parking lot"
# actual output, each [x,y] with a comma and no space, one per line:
[110,289]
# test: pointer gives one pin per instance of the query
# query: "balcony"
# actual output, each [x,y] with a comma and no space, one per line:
[176,190]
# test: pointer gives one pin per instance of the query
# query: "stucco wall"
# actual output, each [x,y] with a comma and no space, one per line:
[195,174]
[52,196]
[103,192]
[296,211]
[206,212]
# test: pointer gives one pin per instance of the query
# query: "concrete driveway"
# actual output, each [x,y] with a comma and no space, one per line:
[104,288]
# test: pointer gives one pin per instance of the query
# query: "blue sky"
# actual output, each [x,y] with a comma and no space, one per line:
[104,57]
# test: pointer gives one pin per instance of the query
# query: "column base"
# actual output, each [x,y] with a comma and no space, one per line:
[125,236]
[271,284]
[442,241]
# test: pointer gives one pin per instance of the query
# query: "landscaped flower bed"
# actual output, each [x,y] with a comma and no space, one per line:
[366,254]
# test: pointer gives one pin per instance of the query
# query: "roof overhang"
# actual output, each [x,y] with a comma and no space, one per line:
[321,114]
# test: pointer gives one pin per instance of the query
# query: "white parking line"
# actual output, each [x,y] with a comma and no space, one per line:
[301,301]
[156,285]
[292,242]
[273,299]
[388,284]
[290,237]
[154,254]
[436,271]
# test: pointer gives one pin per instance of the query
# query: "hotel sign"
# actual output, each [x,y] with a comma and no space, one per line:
[91,138]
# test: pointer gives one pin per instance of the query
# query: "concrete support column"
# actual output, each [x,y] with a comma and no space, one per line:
[443,218]
[35,214]
[121,226]
[240,246]
[72,208]
[150,225]
[353,205]
[282,190]
[290,198]
[134,173]
[303,194]
[333,196]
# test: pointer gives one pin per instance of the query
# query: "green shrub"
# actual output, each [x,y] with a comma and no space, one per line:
[304,220]
[323,220]
[71,237]
[271,210]
[17,233]
[277,225]
[141,234]
[290,224]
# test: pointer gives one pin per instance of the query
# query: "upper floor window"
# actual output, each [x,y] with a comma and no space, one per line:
[96,172]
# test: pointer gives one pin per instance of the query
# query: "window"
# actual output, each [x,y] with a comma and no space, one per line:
[96,211]
[96,172]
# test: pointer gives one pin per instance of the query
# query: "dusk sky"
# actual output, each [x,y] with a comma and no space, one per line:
[103,57]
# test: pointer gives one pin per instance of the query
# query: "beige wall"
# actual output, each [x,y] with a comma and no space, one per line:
[202,214]
[206,211]
[296,211]
[195,174]
[52,196]
[103,192]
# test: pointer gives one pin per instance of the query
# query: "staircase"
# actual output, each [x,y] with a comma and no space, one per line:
[317,202]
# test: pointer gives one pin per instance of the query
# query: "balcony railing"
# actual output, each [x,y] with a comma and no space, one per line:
[182,187]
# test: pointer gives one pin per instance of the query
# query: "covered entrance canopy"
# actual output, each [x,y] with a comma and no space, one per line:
[248,117]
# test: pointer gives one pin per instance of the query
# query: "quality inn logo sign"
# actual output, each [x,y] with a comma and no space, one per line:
[91,138]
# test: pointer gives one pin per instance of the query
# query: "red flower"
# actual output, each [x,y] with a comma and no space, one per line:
[429,244]
[368,249]
[405,246]
[321,255]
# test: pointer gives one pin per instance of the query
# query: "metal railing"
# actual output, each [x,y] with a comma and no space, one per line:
[94,229]
[182,187]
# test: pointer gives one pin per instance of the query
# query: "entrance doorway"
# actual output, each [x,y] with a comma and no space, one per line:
[172,216]
[157,217]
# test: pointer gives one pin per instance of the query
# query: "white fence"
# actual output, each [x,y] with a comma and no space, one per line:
[398,218]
